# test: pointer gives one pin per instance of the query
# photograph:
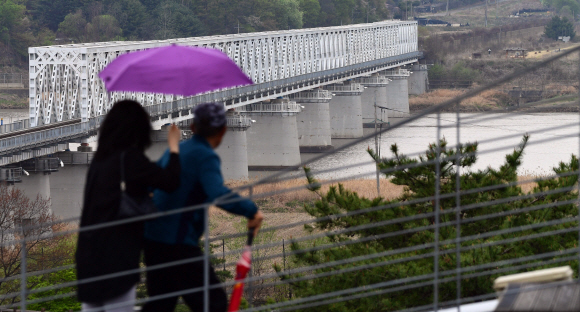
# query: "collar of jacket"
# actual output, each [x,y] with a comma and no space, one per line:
[201,140]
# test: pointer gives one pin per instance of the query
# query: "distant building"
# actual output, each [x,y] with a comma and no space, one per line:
[515,52]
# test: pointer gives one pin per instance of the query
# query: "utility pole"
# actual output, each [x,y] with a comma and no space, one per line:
[496,9]
[447,9]
[367,12]
[485,13]
[238,27]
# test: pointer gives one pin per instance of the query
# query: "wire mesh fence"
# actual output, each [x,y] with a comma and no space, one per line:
[13,80]
[439,241]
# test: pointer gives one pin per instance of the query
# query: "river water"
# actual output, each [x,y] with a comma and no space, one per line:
[553,138]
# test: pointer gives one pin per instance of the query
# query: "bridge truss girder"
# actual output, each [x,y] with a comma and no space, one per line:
[64,84]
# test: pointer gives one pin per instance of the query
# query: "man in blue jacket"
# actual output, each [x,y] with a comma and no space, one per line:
[176,237]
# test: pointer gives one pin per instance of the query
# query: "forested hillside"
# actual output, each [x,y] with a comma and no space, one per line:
[25,23]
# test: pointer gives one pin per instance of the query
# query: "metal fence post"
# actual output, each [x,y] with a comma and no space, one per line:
[23,271]
[436,214]
[377,149]
[578,183]
[206,262]
[251,273]
[458,209]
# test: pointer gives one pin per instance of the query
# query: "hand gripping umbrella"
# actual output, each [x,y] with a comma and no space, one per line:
[173,69]
[242,268]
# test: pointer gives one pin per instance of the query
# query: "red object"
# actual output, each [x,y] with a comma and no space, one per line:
[242,269]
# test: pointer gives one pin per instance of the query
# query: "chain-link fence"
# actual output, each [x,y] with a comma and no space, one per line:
[13,80]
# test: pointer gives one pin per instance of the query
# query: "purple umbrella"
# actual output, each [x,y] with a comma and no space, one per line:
[173,69]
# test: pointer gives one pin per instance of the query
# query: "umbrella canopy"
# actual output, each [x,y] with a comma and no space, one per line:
[178,70]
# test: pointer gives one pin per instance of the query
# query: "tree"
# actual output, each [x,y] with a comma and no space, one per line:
[133,18]
[73,27]
[10,15]
[288,14]
[17,210]
[418,175]
[571,4]
[50,13]
[346,11]
[559,27]
[436,72]
[61,249]
[311,12]
[566,12]
[103,28]
[176,21]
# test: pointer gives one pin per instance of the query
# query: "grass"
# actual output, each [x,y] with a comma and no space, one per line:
[276,197]
[12,101]
[476,16]
[487,100]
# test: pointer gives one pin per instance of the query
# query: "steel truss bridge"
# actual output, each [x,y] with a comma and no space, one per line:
[65,88]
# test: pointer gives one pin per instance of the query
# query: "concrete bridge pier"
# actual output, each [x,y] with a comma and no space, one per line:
[233,150]
[346,110]
[84,147]
[314,132]
[418,80]
[397,93]
[10,176]
[38,183]
[273,138]
[375,92]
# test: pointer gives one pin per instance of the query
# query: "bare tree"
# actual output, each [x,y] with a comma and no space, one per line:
[33,221]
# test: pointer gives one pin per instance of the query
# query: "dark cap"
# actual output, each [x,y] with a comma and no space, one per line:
[210,114]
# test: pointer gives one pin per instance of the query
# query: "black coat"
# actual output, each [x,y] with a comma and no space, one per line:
[115,249]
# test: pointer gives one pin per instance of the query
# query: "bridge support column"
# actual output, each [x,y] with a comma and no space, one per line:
[398,93]
[38,183]
[314,134]
[233,150]
[84,147]
[346,110]
[418,80]
[273,139]
[375,92]
[10,175]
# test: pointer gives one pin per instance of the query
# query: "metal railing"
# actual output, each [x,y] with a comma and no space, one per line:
[51,136]
[285,107]
[13,80]
[11,175]
[238,121]
[311,95]
[15,126]
[401,72]
[345,88]
[373,81]
[418,252]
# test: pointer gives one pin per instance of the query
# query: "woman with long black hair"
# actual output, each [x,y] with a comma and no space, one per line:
[123,138]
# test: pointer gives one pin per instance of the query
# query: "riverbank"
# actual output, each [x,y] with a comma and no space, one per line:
[9,100]
[492,101]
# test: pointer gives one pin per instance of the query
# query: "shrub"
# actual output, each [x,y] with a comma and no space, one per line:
[413,237]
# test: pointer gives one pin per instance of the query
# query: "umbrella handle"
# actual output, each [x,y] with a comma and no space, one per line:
[250,236]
